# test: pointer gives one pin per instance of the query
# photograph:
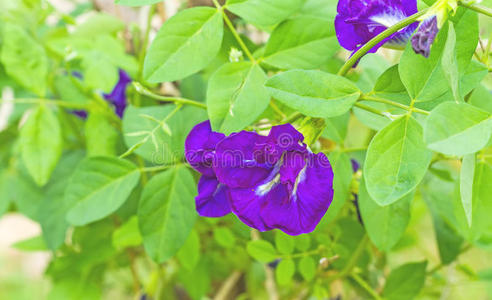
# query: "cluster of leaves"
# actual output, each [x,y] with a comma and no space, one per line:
[115,199]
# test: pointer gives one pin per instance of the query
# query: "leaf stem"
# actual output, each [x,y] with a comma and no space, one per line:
[234,32]
[402,106]
[369,109]
[177,100]
[478,8]
[365,286]
[375,40]
[159,168]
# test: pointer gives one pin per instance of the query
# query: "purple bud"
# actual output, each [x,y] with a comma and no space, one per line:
[424,36]
[355,165]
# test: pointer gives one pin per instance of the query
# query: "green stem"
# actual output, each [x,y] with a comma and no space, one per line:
[143,48]
[366,286]
[369,109]
[478,8]
[355,257]
[48,101]
[143,91]
[402,106]
[374,41]
[234,32]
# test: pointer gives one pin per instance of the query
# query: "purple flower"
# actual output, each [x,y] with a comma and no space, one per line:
[274,181]
[213,196]
[117,97]
[358,21]
[425,35]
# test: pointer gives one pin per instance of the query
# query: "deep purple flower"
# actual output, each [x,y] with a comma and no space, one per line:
[425,35]
[118,95]
[358,21]
[275,181]
[212,199]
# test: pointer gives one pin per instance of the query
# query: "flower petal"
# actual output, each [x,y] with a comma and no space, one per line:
[212,199]
[308,204]
[236,165]
[200,148]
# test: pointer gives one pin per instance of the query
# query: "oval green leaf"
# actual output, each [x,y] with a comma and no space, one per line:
[264,13]
[98,187]
[396,160]
[184,45]
[236,96]
[303,42]
[314,93]
[457,129]
[167,213]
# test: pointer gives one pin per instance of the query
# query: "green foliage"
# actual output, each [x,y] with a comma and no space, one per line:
[98,187]
[405,282]
[115,198]
[41,143]
[396,160]
[166,212]
[193,36]
[314,93]
[236,96]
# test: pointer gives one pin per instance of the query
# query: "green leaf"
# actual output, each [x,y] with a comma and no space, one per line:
[385,225]
[405,282]
[482,204]
[99,73]
[302,242]
[52,210]
[466,185]
[31,244]
[396,160]
[261,250]
[189,254]
[320,8]
[303,42]
[184,45]
[450,64]
[314,93]
[457,129]
[24,59]
[307,268]
[263,13]
[4,193]
[336,128]
[143,130]
[436,193]
[423,77]
[136,2]
[101,137]
[467,38]
[236,96]
[284,243]
[41,144]
[481,98]
[167,212]
[285,271]
[341,165]
[127,235]
[98,187]
[224,237]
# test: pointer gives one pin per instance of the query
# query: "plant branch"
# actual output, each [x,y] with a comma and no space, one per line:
[365,286]
[478,8]
[393,103]
[369,109]
[234,32]
[143,91]
[375,40]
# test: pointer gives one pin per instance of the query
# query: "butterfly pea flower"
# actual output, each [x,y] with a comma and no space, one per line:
[432,21]
[275,181]
[213,196]
[358,21]
[117,97]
